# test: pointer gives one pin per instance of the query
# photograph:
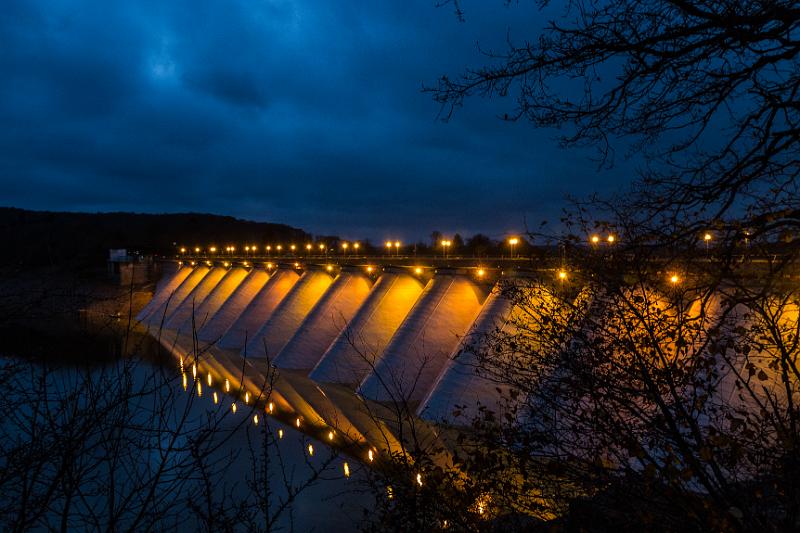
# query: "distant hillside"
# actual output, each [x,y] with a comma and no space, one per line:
[39,238]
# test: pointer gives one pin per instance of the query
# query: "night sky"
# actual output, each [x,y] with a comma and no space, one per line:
[307,113]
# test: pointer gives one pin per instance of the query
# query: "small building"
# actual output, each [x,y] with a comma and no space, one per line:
[132,268]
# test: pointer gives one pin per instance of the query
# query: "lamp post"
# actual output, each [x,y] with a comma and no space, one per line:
[445,245]
[513,241]
[397,248]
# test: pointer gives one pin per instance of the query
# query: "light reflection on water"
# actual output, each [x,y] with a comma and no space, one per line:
[246,442]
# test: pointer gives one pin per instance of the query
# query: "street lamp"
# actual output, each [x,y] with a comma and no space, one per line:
[213,249]
[308,249]
[513,241]
[356,246]
[445,245]
[674,279]
[562,275]
[707,239]
[611,239]
[397,248]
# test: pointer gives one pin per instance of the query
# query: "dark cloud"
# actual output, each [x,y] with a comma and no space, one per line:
[308,113]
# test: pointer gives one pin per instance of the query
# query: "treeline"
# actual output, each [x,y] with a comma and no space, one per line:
[44,238]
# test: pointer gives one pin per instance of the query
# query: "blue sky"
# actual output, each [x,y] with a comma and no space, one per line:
[307,113]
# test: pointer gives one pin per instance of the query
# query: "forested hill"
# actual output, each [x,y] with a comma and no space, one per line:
[40,238]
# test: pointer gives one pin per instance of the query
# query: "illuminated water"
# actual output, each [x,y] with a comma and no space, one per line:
[97,349]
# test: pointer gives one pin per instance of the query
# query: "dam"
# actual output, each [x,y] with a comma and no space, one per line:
[354,350]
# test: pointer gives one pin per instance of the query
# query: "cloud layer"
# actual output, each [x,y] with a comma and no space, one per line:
[308,113]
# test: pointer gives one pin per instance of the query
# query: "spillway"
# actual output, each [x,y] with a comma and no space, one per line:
[259,310]
[164,311]
[459,383]
[351,356]
[270,339]
[182,314]
[215,299]
[424,342]
[164,289]
[233,305]
[334,310]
